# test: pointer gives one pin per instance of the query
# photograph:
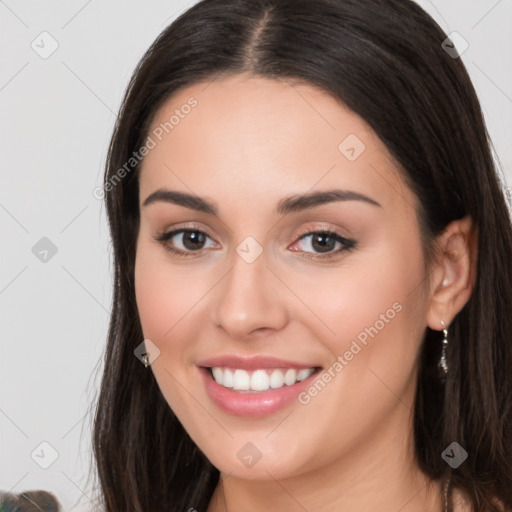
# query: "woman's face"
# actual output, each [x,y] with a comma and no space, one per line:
[299,252]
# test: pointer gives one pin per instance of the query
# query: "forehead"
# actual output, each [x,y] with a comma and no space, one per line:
[260,136]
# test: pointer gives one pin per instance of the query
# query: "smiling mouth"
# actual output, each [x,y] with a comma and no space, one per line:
[259,380]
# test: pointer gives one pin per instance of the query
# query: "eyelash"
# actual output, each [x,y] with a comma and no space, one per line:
[347,244]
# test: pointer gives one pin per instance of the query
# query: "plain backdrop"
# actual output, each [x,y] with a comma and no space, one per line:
[57,115]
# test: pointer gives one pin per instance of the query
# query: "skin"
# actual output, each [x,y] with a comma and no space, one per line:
[249,143]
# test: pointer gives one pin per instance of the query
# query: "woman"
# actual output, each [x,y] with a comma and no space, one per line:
[311,267]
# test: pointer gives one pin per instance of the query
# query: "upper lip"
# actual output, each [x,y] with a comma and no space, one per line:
[251,363]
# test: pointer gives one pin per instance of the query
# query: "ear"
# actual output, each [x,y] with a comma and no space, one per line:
[453,274]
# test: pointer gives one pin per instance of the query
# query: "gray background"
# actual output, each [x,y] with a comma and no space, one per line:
[57,114]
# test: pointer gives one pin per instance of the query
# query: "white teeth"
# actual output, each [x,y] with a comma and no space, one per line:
[290,377]
[304,373]
[227,379]
[276,379]
[218,375]
[241,380]
[259,380]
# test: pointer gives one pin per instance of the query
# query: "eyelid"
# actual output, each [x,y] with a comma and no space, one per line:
[188,226]
[313,228]
[319,229]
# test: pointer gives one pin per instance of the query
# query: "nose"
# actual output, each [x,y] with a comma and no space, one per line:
[249,300]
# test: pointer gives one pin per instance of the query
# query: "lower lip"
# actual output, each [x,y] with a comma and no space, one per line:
[256,403]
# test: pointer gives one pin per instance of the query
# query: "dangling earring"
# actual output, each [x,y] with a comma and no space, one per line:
[145,360]
[443,365]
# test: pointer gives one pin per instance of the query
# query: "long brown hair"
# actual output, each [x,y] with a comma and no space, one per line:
[385,60]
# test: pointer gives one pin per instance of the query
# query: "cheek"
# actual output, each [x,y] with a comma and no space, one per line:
[349,299]
[165,301]
[164,297]
[371,313]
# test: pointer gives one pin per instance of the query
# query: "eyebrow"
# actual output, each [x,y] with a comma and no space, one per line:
[288,205]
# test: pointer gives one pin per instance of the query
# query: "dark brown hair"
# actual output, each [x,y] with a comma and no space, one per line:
[384,60]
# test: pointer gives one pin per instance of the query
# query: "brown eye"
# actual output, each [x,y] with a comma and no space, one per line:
[185,241]
[323,244]
[193,240]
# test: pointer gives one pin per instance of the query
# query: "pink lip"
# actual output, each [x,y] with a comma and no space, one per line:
[253,403]
[251,363]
